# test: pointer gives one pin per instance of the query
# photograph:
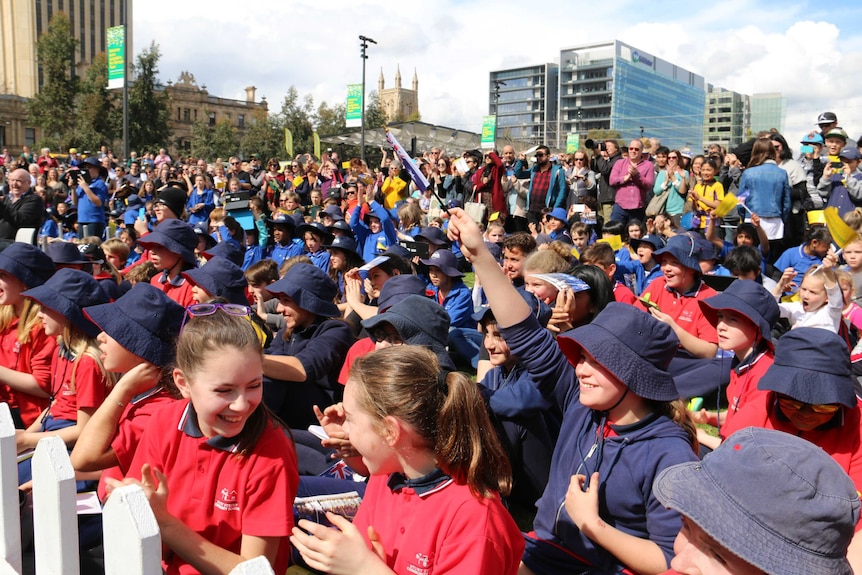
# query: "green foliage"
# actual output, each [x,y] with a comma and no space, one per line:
[99,116]
[297,116]
[375,118]
[602,135]
[221,140]
[264,137]
[53,108]
[148,104]
[330,119]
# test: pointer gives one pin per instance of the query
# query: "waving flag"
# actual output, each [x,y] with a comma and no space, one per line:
[842,234]
[417,176]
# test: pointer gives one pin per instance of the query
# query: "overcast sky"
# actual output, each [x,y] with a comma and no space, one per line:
[811,52]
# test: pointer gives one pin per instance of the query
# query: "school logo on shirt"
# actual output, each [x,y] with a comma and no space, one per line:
[686,315]
[422,565]
[227,500]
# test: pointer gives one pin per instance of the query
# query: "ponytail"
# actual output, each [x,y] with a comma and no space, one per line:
[444,409]
[676,410]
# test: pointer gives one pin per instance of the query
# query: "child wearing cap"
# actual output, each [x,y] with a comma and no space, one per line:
[301,365]
[841,186]
[674,296]
[139,345]
[372,227]
[79,380]
[810,394]
[284,244]
[801,524]
[556,225]
[342,258]
[26,351]
[314,236]
[622,425]
[172,251]
[743,316]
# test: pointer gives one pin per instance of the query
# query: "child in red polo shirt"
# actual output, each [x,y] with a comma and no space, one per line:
[432,504]
[172,250]
[219,473]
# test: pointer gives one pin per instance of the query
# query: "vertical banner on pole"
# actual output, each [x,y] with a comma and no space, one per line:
[573,142]
[288,142]
[316,138]
[116,37]
[353,109]
[489,129]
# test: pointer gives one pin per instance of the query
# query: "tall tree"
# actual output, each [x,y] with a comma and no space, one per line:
[375,117]
[53,108]
[297,115]
[99,115]
[148,104]
[264,137]
[225,140]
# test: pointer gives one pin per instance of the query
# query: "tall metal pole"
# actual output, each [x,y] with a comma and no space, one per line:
[497,84]
[364,40]
[126,44]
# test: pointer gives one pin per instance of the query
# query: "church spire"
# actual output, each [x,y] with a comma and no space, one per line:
[380,81]
[398,77]
[415,81]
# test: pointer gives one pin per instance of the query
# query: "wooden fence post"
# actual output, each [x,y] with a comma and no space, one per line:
[55,518]
[10,522]
[132,542]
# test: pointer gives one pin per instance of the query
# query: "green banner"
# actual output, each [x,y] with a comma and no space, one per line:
[353,110]
[489,131]
[116,56]
[573,142]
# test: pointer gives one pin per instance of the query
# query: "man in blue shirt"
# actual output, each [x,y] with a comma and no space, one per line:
[91,198]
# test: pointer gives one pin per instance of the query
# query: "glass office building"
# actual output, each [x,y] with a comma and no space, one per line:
[614,86]
[525,103]
[767,112]
[727,117]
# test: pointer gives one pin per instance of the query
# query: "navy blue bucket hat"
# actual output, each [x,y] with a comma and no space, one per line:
[341,226]
[811,365]
[316,228]
[655,241]
[67,253]
[632,345]
[342,243]
[446,261]
[776,501]
[175,236]
[684,248]
[145,321]
[310,288]
[748,298]
[227,249]
[419,321]
[433,235]
[220,277]
[27,263]
[68,292]
[397,288]
[282,219]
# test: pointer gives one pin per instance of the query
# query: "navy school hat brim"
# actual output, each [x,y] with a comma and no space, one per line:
[145,321]
[178,238]
[54,295]
[729,299]
[310,288]
[27,263]
[683,248]
[718,494]
[220,277]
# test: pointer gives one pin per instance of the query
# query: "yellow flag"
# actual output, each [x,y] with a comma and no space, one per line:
[316,144]
[288,142]
[616,242]
[816,217]
[726,206]
[842,234]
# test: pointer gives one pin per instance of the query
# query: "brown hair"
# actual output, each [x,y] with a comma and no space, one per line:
[761,151]
[545,262]
[520,241]
[677,412]
[214,333]
[599,253]
[117,247]
[445,409]
[142,273]
[263,272]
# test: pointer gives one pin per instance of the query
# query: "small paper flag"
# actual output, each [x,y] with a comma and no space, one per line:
[727,204]
[842,234]
[616,242]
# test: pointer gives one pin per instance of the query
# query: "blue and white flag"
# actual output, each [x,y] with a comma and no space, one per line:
[415,174]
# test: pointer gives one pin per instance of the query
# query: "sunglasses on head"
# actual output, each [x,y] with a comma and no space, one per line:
[201,309]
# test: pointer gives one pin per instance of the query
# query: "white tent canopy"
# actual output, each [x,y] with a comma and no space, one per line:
[453,142]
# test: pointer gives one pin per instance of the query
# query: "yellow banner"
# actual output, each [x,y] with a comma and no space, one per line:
[842,234]
[316,145]
[288,143]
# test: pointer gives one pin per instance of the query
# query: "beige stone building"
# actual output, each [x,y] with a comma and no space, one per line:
[191,103]
[399,103]
[21,24]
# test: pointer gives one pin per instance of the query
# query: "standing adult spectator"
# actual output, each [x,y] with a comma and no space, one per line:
[548,187]
[633,180]
[581,179]
[256,173]
[90,198]
[46,161]
[796,221]
[162,158]
[237,172]
[133,178]
[827,121]
[20,208]
[604,162]
[765,188]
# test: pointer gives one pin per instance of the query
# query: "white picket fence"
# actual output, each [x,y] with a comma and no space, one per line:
[131,535]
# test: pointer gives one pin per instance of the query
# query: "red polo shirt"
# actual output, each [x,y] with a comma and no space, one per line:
[440,528]
[216,493]
[683,308]
[742,388]
[34,357]
[87,390]
[178,289]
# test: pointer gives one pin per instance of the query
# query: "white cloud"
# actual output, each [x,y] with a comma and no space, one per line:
[453,45]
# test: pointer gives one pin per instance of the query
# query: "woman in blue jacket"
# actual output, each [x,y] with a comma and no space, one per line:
[622,425]
[765,187]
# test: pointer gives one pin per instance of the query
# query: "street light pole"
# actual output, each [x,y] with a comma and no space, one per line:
[364,43]
[497,84]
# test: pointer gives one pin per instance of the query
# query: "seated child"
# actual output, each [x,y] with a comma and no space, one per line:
[285,245]
[601,255]
[315,236]
[643,269]
[811,253]
[171,246]
[820,300]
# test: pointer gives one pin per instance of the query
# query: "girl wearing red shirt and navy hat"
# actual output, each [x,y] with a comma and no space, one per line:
[172,250]
[432,504]
[26,351]
[219,471]
[79,380]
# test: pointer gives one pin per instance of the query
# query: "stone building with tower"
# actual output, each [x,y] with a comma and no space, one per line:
[399,104]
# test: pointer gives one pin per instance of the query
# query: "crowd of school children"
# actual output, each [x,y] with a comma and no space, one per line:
[638,388]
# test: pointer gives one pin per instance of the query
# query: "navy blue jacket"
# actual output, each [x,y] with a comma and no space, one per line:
[631,458]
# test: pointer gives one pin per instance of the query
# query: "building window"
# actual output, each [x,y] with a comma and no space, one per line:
[196,114]
[212,118]
[187,115]
[179,111]
[2,136]
[240,121]
[29,136]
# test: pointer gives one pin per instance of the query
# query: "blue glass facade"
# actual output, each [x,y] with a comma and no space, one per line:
[647,103]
